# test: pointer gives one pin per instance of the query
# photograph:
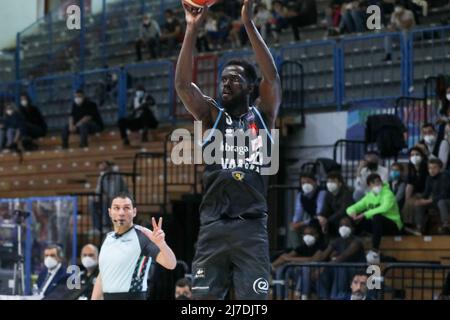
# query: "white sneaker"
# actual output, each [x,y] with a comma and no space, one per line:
[372,257]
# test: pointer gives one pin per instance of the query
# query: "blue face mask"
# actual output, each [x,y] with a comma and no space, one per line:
[394,175]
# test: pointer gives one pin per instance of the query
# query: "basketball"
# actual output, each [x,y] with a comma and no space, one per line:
[200,3]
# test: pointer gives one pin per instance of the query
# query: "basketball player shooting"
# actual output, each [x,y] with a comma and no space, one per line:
[232,247]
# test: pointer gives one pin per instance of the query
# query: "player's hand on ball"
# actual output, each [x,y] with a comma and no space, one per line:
[194,16]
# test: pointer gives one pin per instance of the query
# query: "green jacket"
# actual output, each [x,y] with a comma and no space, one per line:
[384,203]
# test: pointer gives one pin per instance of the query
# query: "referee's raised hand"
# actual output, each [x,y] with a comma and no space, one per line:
[158,235]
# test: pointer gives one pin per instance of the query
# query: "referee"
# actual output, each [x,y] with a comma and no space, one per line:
[127,253]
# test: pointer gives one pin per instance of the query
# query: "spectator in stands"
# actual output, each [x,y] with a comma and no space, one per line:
[377,213]
[401,20]
[436,195]
[309,202]
[88,276]
[347,248]
[84,119]
[263,21]
[11,127]
[172,33]
[183,289]
[415,185]
[445,294]
[301,13]
[397,183]
[280,22]
[149,34]
[34,126]
[54,272]
[444,148]
[309,250]
[358,287]
[368,166]
[107,187]
[444,112]
[339,198]
[141,117]
[352,17]
[429,142]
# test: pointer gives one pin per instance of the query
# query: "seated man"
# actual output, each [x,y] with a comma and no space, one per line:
[347,248]
[183,289]
[309,203]
[436,195]
[54,272]
[369,165]
[84,119]
[141,117]
[429,142]
[35,125]
[313,243]
[377,213]
[358,287]
[11,127]
[339,198]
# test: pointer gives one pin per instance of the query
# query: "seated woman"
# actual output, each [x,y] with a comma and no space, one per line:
[309,250]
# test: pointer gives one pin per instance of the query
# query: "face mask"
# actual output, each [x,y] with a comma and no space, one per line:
[429,139]
[78,101]
[394,175]
[345,231]
[88,262]
[50,262]
[307,188]
[372,166]
[9,112]
[416,160]
[24,103]
[139,94]
[398,9]
[332,187]
[448,96]
[309,240]
[169,20]
[376,189]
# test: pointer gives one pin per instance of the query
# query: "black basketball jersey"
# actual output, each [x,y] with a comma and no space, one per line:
[233,185]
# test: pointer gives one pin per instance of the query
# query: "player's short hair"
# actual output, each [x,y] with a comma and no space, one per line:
[124,195]
[249,69]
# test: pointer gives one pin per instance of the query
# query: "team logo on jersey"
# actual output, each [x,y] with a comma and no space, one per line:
[200,273]
[261,286]
[238,175]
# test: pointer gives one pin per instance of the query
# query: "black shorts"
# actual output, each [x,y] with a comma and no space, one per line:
[232,253]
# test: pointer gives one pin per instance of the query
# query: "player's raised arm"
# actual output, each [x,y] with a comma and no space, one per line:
[191,96]
[270,86]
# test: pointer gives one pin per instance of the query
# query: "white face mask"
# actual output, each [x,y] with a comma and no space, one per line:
[376,189]
[429,139]
[307,188]
[332,187]
[416,160]
[9,112]
[139,94]
[24,103]
[88,262]
[345,231]
[50,262]
[398,9]
[78,101]
[309,240]
[448,96]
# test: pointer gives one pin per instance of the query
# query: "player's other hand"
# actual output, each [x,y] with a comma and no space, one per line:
[194,16]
